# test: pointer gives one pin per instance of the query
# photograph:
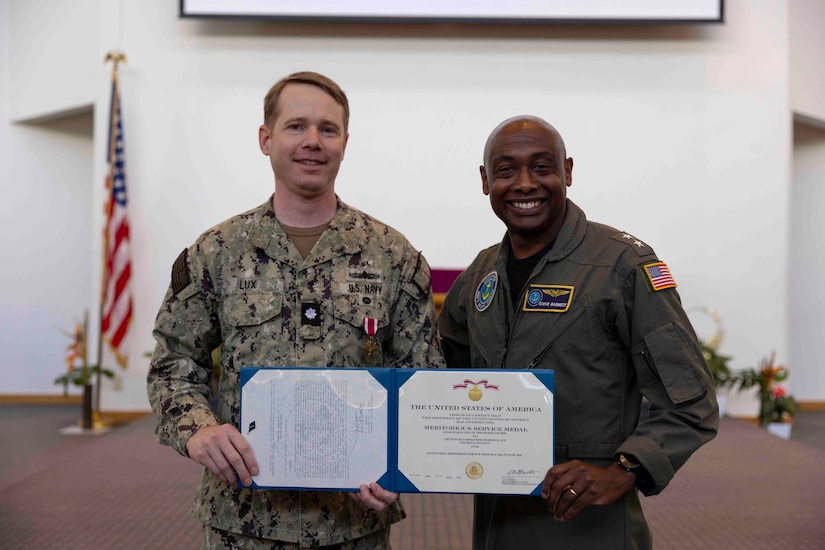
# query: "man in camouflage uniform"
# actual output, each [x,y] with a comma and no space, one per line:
[302,280]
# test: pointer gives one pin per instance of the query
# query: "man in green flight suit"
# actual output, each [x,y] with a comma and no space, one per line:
[598,307]
[301,280]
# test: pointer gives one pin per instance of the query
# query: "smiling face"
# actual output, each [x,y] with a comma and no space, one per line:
[305,142]
[526,175]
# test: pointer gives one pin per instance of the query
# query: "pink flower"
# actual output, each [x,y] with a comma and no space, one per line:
[778,392]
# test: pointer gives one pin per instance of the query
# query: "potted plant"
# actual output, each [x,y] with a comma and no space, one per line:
[81,377]
[777,406]
[79,372]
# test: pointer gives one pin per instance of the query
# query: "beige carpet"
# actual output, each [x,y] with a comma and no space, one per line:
[746,490]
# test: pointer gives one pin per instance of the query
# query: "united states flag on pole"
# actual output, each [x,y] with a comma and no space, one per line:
[117,269]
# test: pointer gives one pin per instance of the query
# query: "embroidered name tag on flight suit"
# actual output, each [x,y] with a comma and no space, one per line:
[548,298]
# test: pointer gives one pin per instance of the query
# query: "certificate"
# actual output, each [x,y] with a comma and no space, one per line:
[411,430]
[475,431]
[316,428]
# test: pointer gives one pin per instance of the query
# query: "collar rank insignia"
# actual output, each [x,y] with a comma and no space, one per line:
[633,240]
[635,244]
[548,298]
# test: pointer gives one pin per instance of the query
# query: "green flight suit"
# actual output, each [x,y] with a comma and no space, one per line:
[612,334]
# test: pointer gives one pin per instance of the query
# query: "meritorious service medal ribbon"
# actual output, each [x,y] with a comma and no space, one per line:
[475,393]
[370,351]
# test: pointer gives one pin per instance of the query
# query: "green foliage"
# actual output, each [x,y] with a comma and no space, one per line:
[78,371]
[776,404]
[80,376]
[718,364]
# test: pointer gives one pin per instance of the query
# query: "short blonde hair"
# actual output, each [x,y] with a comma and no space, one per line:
[272,109]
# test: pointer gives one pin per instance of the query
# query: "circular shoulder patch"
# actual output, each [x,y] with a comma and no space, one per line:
[486,290]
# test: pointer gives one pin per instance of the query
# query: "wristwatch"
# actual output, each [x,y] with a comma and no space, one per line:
[629,464]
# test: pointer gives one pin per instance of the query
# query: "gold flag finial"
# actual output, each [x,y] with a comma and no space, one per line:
[116,57]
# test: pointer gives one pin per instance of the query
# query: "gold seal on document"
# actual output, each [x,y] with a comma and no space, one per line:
[474,470]
[370,352]
[475,394]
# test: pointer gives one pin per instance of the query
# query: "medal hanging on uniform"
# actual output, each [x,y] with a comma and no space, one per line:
[370,351]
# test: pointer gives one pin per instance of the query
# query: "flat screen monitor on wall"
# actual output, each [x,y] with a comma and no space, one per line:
[489,11]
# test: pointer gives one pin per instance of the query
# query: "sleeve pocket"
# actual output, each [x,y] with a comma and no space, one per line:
[187,292]
[675,362]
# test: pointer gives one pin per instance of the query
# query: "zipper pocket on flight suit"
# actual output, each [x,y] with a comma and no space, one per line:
[545,345]
[646,357]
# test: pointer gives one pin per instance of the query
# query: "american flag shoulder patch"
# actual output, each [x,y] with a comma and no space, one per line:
[659,277]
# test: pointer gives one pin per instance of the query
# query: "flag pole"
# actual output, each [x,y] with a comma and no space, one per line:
[116,57]
[86,419]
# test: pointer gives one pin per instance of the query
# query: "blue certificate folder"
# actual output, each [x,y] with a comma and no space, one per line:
[475,431]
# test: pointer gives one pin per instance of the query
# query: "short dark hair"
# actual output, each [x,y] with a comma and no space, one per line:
[271,107]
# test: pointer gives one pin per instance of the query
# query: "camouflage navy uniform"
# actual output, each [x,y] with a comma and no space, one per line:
[243,285]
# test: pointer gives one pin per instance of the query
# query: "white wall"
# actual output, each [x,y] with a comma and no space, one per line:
[680,135]
[807,46]
[46,238]
[54,66]
[807,263]
[806,272]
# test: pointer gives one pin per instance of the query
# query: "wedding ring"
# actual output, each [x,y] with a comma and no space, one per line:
[561,494]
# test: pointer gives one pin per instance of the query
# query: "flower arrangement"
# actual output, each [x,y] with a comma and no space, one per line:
[78,371]
[777,405]
[783,407]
